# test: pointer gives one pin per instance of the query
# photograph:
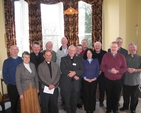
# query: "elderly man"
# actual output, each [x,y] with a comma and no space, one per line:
[131,79]
[72,69]
[49,75]
[9,73]
[99,53]
[62,51]
[49,46]
[114,66]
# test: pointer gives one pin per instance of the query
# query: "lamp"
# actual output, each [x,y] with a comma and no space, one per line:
[70,10]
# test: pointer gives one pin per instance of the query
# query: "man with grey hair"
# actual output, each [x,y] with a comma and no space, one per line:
[49,46]
[99,53]
[72,70]
[131,79]
[9,76]
[63,50]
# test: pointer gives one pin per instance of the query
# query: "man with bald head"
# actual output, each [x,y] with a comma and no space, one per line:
[63,50]
[8,72]
[72,69]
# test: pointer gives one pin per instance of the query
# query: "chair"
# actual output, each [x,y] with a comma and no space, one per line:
[5,97]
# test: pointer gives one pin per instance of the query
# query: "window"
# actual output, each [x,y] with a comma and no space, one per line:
[52,24]
[22,26]
[85,22]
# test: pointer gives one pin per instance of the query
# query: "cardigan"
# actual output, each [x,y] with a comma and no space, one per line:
[91,70]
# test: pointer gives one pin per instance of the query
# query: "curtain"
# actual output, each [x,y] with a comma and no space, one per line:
[9,24]
[71,24]
[96,19]
[35,29]
[71,21]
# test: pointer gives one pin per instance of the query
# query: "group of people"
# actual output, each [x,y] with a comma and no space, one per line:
[76,70]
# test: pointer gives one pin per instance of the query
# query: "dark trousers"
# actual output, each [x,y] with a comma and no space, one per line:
[49,100]
[130,91]
[14,97]
[113,91]
[89,95]
[101,84]
[71,99]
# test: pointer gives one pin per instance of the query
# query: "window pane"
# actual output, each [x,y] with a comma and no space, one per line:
[22,26]
[52,24]
[85,22]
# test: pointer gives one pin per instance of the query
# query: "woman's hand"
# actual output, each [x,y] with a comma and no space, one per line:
[37,91]
[21,96]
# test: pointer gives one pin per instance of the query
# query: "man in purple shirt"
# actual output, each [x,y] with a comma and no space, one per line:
[114,66]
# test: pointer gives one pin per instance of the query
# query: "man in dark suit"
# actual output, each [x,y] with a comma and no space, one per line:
[72,69]
[36,57]
[123,51]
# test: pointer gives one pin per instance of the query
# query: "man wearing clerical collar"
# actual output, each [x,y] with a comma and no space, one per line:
[36,57]
[72,70]
[49,75]
[113,67]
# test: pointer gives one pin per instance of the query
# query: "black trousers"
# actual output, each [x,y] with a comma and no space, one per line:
[14,97]
[49,100]
[113,91]
[101,84]
[89,95]
[71,99]
[130,92]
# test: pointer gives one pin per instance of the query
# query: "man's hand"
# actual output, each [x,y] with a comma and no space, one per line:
[114,71]
[76,77]
[131,70]
[71,74]
[51,86]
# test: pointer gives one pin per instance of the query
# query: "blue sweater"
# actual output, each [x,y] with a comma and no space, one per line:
[9,70]
[91,70]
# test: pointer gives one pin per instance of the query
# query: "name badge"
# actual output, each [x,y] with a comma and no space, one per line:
[74,64]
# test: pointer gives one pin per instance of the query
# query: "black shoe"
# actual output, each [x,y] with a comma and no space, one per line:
[123,109]
[79,106]
[108,111]
[115,112]
[101,105]
[132,111]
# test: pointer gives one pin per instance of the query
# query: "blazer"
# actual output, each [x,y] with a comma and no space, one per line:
[44,74]
[67,66]
[24,78]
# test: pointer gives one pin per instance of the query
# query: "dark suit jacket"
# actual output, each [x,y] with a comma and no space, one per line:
[122,51]
[67,66]
[36,60]
[44,74]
